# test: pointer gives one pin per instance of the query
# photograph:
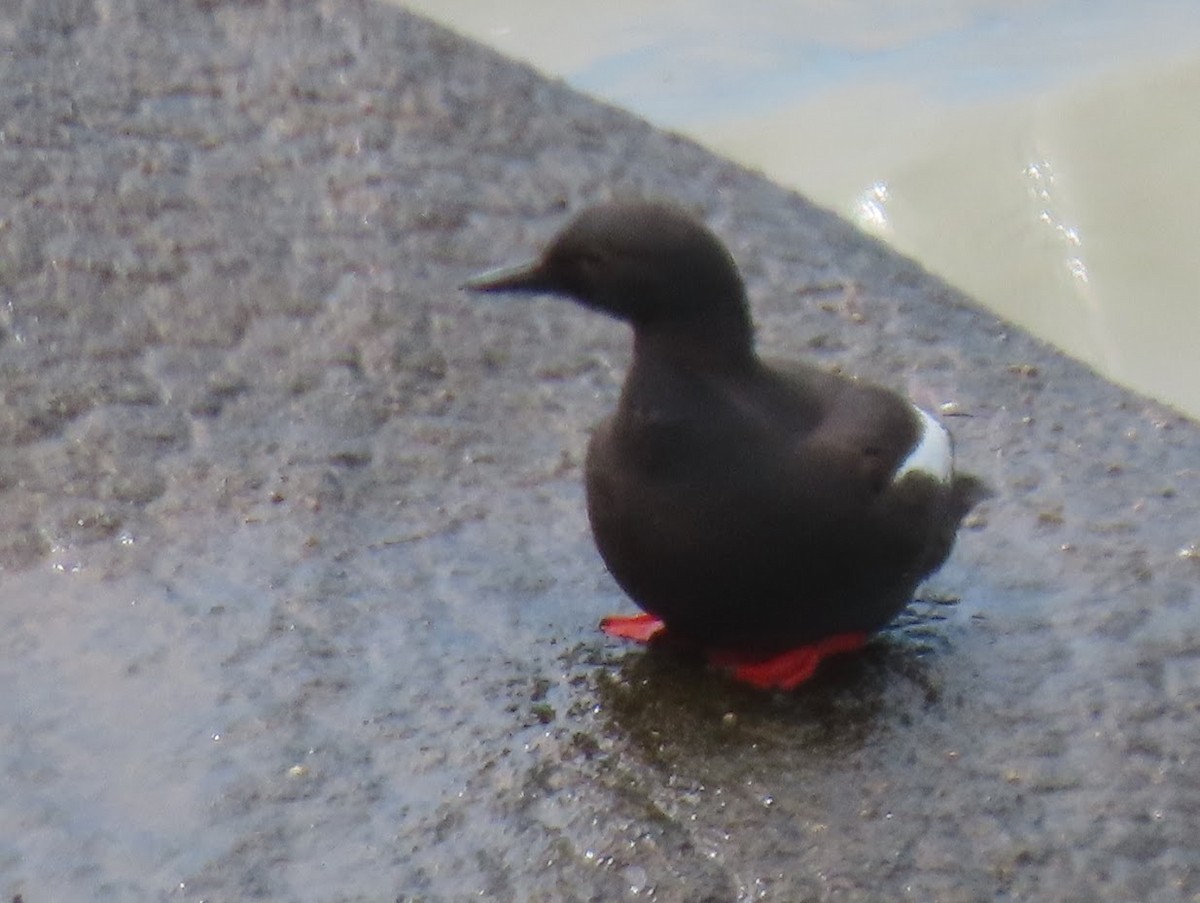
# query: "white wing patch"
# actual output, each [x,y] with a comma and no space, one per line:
[932,455]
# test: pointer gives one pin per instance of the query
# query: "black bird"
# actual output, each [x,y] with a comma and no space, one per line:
[770,515]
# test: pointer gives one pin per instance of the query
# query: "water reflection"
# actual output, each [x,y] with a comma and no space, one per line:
[872,208]
[675,710]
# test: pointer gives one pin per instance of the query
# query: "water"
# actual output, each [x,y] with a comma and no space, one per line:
[1037,155]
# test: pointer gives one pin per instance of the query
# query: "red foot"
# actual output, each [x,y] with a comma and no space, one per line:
[639,628]
[787,670]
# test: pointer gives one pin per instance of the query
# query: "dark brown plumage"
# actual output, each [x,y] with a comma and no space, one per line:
[750,507]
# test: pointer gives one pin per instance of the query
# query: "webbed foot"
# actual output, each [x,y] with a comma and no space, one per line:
[640,628]
[786,670]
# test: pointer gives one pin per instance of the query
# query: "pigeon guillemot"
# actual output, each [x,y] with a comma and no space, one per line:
[770,515]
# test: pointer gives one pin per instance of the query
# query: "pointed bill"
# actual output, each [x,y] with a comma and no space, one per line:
[520,277]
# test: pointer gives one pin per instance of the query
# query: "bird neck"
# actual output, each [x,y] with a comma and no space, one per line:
[714,342]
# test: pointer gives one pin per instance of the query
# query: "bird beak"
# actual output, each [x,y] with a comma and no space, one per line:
[522,277]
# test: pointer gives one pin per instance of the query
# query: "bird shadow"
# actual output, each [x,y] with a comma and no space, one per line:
[669,702]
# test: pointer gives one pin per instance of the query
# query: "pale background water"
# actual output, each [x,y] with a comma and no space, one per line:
[1041,156]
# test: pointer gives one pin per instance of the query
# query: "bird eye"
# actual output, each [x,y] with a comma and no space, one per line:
[587,267]
[588,261]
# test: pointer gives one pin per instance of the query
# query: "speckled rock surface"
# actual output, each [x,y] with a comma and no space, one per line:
[298,601]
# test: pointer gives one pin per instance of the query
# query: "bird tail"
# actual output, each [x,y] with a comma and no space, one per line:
[966,492]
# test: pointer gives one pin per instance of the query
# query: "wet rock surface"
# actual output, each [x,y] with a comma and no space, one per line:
[298,597]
